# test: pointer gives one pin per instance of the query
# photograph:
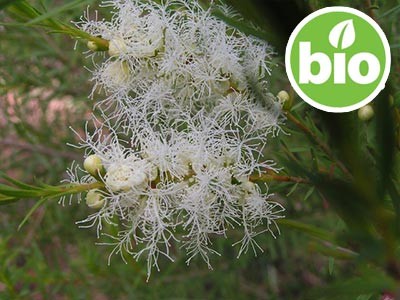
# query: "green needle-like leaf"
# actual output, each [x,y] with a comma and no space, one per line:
[31,211]
[308,229]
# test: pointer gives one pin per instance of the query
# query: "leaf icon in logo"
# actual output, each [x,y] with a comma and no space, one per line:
[342,35]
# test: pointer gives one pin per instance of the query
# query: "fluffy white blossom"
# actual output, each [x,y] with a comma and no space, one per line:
[187,117]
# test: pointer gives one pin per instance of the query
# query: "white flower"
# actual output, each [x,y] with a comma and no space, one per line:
[128,174]
[117,47]
[184,129]
[181,47]
[118,72]
[119,178]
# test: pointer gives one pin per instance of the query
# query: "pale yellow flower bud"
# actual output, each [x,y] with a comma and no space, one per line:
[94,199]
[366,113]
[283,96]
[93,165]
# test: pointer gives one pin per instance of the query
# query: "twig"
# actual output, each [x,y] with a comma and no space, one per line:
[370,8]
[320,143]
[273,177]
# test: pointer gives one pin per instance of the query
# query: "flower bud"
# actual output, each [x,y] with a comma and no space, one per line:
[93,165]
[92,46]
[285,100]
[94,199]
[283,96]
[366,113]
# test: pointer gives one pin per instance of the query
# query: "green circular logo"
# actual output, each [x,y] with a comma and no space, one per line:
[338,59]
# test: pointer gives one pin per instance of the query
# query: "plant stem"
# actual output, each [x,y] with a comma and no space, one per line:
[9,194]
[273,177]
[370,8]
[28,15]
[78,188]
[319,142]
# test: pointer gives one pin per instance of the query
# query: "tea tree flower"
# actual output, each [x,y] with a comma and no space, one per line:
[178,49]
[192,190]
[187,116]
[127,174]
[117,47]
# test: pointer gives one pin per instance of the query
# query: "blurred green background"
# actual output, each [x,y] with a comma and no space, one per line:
[43,90]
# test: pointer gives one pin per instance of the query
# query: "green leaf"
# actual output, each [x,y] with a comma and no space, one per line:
[299,149]
[368,282]
[307,229]
[31,211]
[17,182]
[390,12]
[297,106]
[309,193]
[332,251]
[27,15]
[4,200]
[48,15]
[5,3]
[18,193]
[292,189]
[22,11]
[331,265]
[242,26]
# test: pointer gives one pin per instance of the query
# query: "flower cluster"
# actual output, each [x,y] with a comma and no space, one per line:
[187,115]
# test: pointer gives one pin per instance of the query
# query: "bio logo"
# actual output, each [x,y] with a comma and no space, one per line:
[338,59]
